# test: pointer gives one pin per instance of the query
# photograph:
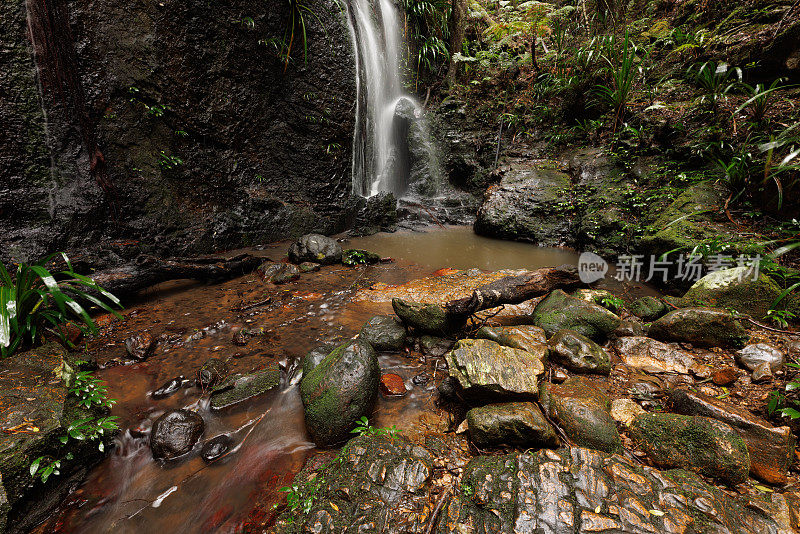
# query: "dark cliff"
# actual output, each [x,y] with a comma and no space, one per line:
[171,125]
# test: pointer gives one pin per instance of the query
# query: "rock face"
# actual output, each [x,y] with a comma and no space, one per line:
[35,411]
[427,318]
[559,311]
[385,484]
[384,333]
[578,353]
[185,143]
[736,289]
[339,390]
[583,412]
[316,248]
[521,206]
[486,368]
[523,337]
[700,326]
[513,423]
[706,446]
[242,387]
[771,449]
[654,356]
[175,433]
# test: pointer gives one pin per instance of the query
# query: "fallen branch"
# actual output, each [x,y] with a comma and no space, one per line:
[438,509]
[513,290]
[146,271]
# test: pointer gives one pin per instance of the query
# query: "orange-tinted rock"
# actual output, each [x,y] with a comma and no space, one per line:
[725,376]
[392,385]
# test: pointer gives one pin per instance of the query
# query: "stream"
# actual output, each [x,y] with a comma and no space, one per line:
[130,492]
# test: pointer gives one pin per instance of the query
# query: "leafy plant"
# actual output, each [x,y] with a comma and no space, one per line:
[363,428]
[90,390]
[427,26]
[610,302]
[33,302]
[168,161]
[761,97]
[785,402]
[300,497]
[622,70]
[717,79]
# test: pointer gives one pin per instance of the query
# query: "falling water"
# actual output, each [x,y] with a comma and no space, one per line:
[380,153]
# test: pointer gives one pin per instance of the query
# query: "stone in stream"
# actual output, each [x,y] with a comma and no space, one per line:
[700,444]
[168,388]
[389,484]
[392,385]
[140,346]
[578,353]
[654,356]
[339,390]
[435,346]
[512,423]
[485,368]
[384,333]
[213,372]
[216,448]
[315,248]
[242,387]
[427,318]
[279,273]
[559,311]
[753,356]
[625,410]
[175,433]
[771,449]
[735,289]
[523,337]
[704,327]
[648,308]
[583,412]
[354,257]
[309,267]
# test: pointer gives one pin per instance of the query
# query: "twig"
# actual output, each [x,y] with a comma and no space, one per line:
[438,509]
[254,305]
[788,11]
[765,327]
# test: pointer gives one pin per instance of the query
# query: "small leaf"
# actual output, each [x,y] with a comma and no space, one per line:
[657,513]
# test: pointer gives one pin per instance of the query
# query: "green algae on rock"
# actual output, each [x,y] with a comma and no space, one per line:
[559,311]
[578,353]
[511,423]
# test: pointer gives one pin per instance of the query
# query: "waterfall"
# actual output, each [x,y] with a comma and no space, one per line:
[381,153]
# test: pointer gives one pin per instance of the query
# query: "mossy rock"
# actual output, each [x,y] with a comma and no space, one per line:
[583,412]
[239,388]
[428,318]
[523,337]
[354,257]
[700,326]
[578,353]
[511,423]
[384,333]
[648,308]
[559,311]
[735,289]
[700,444]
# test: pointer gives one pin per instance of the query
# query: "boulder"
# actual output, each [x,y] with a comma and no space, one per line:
[309,267]
[513,423]
[700,326]
[654,356]
[168,388]
[140,346]
[648,308]
[315,248]
[583,412]
[427,318]
[315,356]
[241,387]
[522,205]
[735,289]
[578,353]
[339,390]
[213,372]
[384,333]
[354,257]
[216,448]
[523,337]
[175,433]
[483,367]
[754,356]
[771,449]
[279,273]
[700,444]
[559,311]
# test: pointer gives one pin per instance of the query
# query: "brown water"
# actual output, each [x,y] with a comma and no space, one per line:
[129,492]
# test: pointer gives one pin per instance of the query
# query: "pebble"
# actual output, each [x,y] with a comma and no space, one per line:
[392,385]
